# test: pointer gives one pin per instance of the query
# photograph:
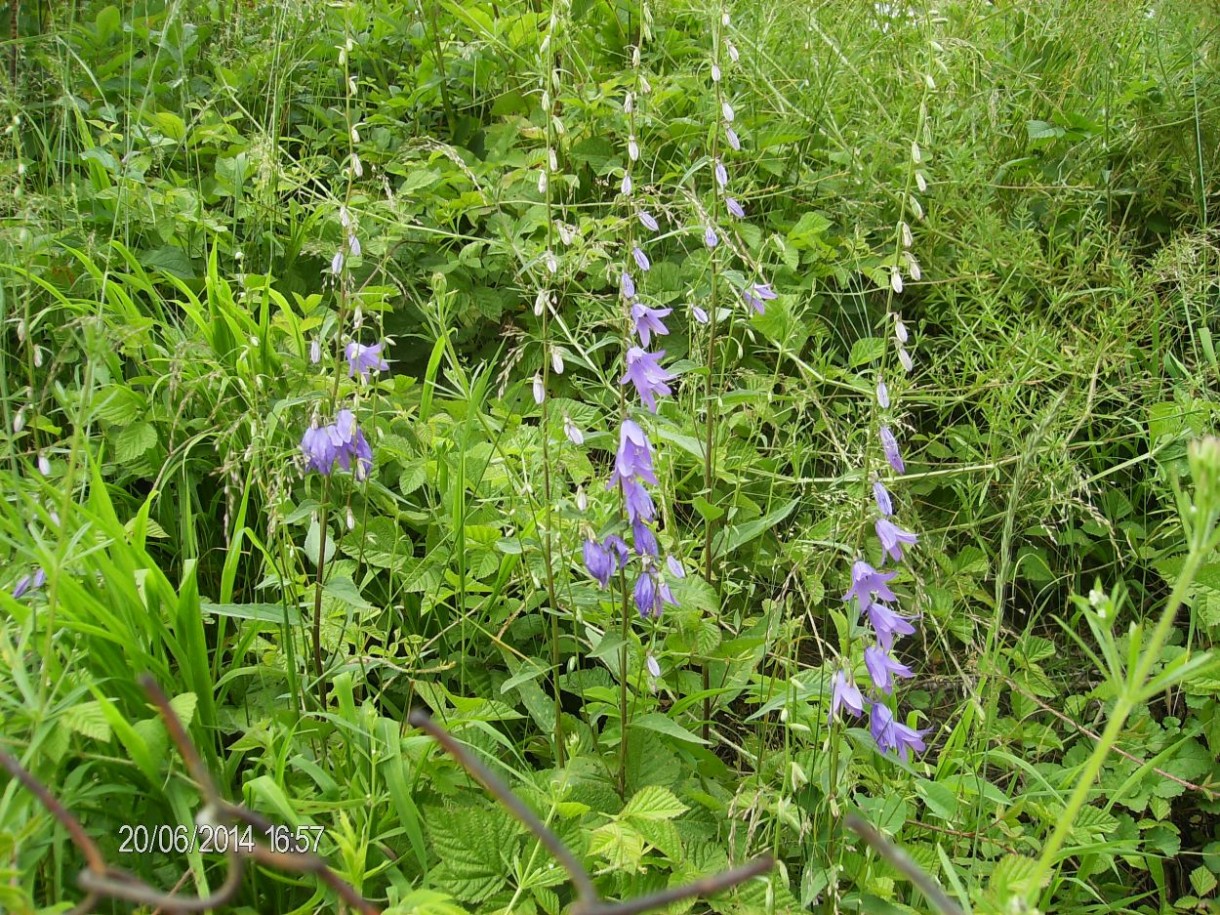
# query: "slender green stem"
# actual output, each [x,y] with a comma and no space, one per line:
[319,575]
[1123,706]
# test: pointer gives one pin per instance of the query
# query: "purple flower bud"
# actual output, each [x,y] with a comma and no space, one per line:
[734,207]
[727,110]
[890,446]
[882,497]
[336,263]
[722,174]
[641,259]
[626,187]
[645,540]
[647,600]
[699,313]
[709,237]
[883,395]
[648,221]
[734,140]
[315,351]
[675,567]
[599,561]
[653,667]
[570,429]
[626,285]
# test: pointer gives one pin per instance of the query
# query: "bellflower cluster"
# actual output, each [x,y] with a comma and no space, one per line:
[339,443]
[27,583]
[633,472]
[874,599]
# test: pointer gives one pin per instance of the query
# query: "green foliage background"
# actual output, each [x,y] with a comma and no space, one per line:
[172,176]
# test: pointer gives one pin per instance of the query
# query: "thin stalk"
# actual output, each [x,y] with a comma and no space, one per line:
[709,458]
[1125,703]
[319,575]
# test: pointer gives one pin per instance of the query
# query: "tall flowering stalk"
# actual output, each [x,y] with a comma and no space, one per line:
[340,444]
[551,358]
[715,229]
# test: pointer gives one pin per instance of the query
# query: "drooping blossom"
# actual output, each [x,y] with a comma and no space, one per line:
[315,351]
[757,294]
[651,594]
[572,431]
[881,496]
[338,443]
[710,238]
[883,667]
[645,540]
[883,395]
[734,140]
[699,313]
[645,372]
[722,174]
[890,446]
[647,321]
[634,456]
[626,185]
[866,581]
[539,389]
[892,538]
[599,560]
[27,583]
[638,501]
[649,221]
[888,625]
[844,694]
[675,566]
[364,359]
[894,735]
[318,451]
[727,110]
[627,285]
[653,667]
[641,259]
[734,207]
[336,263]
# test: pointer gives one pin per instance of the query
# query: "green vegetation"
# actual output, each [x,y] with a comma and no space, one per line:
[205,205]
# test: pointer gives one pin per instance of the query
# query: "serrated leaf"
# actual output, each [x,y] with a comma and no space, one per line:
[89,719]
[184,707]
[653,802]
[1203,881]
[1013,876]
[132,442]
[866,350]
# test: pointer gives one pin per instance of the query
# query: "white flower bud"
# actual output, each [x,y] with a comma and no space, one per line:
[44,465]
[557,361]
[539,390]
[921,182]
[627,185]
[633,148]
[929,81]
[715,73]
[37,357]
[629,102]
[916,207]
[905,358]
[635,56]
[916,152]
[358,318]
[355,134]
[907,239]
[546,100]
[653,667]
[900,331]
[565,233]
[351,519]
[727,110]
[582,500]
[539,302]
[542,182]
[895,279]
[552,265]
[913,267]
[19,421]
[732,49]
[553,159]
[351,85]
[645,86]
[357,168]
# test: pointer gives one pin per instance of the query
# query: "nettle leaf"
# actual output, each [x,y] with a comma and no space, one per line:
[1013,876]
[654,802]
[131,443]
[476,847]
[619,844]
[865,351]
[88,719]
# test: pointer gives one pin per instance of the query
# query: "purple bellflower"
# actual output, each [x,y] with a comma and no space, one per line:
[634,456]
[599,561]
[887,624]
[645,540]
[648,221]
[892,538]
[645,372]
[882,667]
[882,497]
[648,321]
[865,581]
[734,207]
[364,359]
[894,735]
[890,446]
[626,285]
[27,583]
[844,694]
[641,259]
[638,501]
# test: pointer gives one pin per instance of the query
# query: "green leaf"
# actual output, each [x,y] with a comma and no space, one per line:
[735,536]
[654,802]
[866,350]
[89,719]
[132,442]
[267,613]
[1203,881]
[658,723]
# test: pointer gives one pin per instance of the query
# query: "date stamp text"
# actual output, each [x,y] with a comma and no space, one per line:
[207,838]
